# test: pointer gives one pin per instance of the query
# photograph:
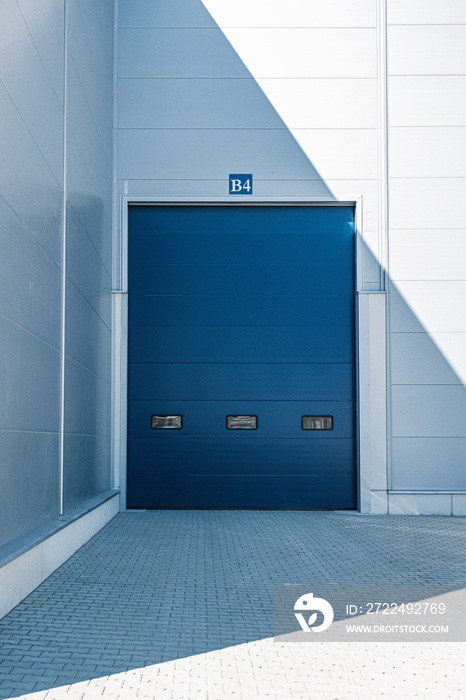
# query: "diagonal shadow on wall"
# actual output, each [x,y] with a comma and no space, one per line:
[189,110]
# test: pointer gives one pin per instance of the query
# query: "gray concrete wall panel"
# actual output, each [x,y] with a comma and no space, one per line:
[36,178]
[29,493]
[89,246]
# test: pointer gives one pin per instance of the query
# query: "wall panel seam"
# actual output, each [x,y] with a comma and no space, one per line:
[88,369]
[26,330]
[31,233]
[39,54]
[88,303]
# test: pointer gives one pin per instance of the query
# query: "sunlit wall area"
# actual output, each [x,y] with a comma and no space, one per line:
[427,166]
[317,64]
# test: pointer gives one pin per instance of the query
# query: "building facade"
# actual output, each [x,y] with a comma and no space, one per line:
[110,110]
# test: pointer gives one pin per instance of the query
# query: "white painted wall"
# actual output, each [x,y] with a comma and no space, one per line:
[427,137]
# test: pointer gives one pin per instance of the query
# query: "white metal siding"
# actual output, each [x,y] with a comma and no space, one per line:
[427,116]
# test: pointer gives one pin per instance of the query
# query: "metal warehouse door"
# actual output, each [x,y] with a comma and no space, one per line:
[241,357]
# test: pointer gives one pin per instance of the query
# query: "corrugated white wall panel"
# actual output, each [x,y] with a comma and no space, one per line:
[427,100]
[176,53]
[164,103]
[320,103]
[263,53]
[440,460]
[262,13]
[416,359]
[90,48]
[426,11]
[288,91]
[176,13]
[427,254]
[201,103]
[269,153]
[427,202]
[340,153]
[293,13]
[437,305]
[427,50]
[306,52]
[428,411]
[428,151]
[211,154]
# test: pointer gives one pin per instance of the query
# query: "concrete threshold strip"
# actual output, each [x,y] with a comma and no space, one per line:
[27,561]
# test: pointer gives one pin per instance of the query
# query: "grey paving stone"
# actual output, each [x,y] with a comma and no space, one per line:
[179,604]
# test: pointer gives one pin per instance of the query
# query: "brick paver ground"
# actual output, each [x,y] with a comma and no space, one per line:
[179,605]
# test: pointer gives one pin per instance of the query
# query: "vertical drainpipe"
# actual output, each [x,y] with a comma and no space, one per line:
[63,265]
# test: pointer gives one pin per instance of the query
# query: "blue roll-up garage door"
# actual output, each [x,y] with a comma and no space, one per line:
[241,357]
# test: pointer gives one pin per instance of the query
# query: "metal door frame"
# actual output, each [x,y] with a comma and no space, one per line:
[368,347]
